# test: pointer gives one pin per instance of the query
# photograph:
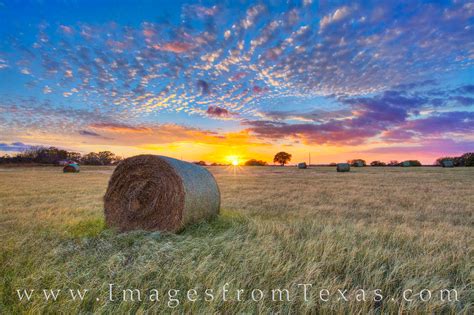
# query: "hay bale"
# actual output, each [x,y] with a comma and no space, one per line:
[71,168]
[343,167]
[447,163]
[152,192]
[302,165]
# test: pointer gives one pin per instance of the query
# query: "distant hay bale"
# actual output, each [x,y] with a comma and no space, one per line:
[152,192]
[71,168]
[447,163]
[343,167]
[302,165]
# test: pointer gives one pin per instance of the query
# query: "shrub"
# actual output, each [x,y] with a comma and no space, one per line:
[357,163]
[377,163]
[254,162]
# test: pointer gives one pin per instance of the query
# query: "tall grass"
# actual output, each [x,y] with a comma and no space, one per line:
[373,228]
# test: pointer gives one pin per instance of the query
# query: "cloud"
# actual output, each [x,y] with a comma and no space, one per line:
[216,111]
[337,15]
[89,133]
[437,146]
[14,147]
[175,47]
[119,128]
[441,123]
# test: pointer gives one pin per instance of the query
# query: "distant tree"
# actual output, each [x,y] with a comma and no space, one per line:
[91,158]
[357,162]
[282,158]
[74,156]
[202,163]
[254,162]
[377,163]
[44,155]
[393,163]
[117,159]
[411,163]
[332,164]
[468,159]
[106,157]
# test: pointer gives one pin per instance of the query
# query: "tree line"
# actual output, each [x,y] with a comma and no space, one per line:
[282,158]
[53,155]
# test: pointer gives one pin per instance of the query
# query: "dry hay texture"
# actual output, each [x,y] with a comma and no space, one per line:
[71,168]
[152,192]
[343,167]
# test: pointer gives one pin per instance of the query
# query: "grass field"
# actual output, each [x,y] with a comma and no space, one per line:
[373,228]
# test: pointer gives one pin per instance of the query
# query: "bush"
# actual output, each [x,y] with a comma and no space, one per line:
[411,163]
[254,162]
[467,159]
[377,163]
[357,163]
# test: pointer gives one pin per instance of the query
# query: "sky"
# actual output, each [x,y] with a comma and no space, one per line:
[219,81]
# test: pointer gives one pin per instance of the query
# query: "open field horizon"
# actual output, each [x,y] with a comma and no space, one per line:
[373,228]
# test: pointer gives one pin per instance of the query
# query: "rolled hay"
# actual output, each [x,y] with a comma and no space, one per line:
[302,165]
[158,193]
[343,167]
[447,163]
[71,168]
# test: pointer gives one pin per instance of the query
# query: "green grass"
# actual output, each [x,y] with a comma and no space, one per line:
[373,228]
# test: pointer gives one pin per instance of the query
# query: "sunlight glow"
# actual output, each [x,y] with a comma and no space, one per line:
[234,160]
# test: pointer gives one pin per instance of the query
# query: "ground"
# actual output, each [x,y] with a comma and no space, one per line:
[390,229]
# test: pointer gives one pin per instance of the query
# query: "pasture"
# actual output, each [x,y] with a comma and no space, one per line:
[390,229]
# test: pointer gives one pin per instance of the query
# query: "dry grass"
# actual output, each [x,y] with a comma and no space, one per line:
[373,228]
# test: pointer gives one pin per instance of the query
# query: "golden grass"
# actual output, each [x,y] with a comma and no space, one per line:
[373,228]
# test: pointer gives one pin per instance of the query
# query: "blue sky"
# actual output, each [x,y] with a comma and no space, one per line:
[213,79]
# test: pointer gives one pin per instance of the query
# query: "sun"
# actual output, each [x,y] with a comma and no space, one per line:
[234,160]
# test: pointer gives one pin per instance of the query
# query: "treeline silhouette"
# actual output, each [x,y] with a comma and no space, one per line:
[55,156]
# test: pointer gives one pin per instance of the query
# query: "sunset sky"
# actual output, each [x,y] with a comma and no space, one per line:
[211,80]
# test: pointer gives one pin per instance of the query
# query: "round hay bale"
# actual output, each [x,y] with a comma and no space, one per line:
[447,163]
[71,168]
[302,165]
[152,192]
[343,167]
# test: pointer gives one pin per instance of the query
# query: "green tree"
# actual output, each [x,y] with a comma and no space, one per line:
[282,158]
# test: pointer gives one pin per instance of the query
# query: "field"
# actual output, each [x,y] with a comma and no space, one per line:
[390,229]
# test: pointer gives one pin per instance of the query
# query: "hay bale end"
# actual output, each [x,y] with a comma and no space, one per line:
[447,163]
[302,165]
[343,167]
[71,168]
[158,193]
